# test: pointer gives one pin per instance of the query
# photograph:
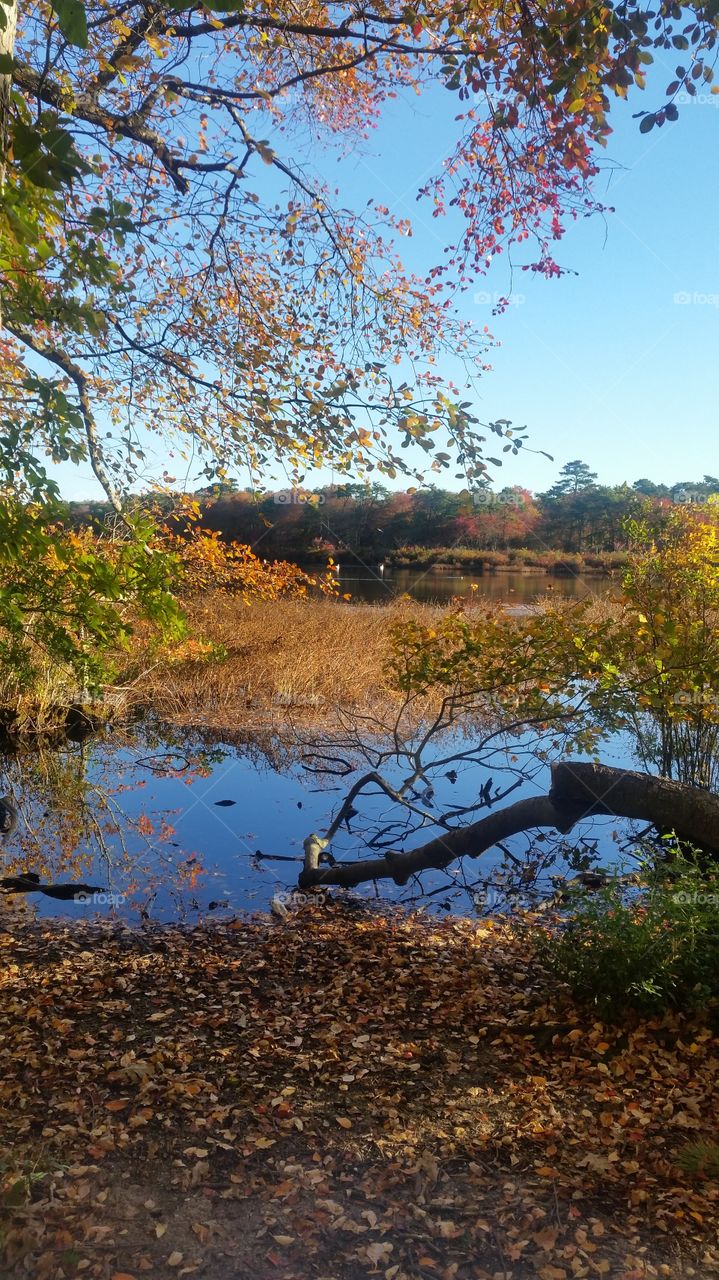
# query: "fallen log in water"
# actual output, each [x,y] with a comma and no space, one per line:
[578,791]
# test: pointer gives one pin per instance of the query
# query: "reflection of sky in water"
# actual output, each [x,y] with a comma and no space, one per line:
[209,856]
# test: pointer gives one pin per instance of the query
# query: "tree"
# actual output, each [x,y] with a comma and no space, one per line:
[649,489]
[506,518]
[578,791]
[168,269]
[521,693]
[573,477]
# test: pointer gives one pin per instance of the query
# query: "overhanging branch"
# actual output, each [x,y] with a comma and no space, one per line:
[578,791]
[62,361]
[85,106]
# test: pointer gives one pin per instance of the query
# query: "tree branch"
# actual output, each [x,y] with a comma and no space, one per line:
[578,791]
[85,107]
[73,371]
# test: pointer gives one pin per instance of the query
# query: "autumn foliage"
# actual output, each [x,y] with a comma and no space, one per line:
[186,278]
[205,563]
[168,265]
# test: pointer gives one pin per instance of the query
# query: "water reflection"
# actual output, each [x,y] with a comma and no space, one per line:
[173,826]
[380,584]
[686,750]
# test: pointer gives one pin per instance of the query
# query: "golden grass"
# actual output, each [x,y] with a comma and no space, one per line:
[296,659]
[244,666]
[301,657]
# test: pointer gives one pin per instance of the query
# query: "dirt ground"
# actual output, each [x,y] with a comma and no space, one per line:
[344,1095]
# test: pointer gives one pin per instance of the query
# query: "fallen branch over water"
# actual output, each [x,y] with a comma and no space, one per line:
[578,791]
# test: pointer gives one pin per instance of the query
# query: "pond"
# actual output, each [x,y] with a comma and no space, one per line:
[163,825]
[373,584]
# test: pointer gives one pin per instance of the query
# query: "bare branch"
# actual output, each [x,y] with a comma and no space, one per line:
[578,791]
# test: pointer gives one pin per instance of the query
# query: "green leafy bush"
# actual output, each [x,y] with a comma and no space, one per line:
[649,947]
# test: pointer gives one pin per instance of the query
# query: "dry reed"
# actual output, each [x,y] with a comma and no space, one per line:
[279,658]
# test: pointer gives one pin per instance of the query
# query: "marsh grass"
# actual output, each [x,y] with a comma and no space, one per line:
[517,559]
[240,665]
[272,659]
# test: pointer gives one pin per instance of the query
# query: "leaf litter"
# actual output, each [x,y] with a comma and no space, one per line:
[339,1096]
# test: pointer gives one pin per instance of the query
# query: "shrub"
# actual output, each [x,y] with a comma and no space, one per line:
[647,948]
[567,565]
[607,560]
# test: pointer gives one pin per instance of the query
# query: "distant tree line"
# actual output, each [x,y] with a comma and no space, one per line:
[577,515]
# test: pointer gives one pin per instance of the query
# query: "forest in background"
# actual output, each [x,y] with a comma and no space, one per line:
[576,516]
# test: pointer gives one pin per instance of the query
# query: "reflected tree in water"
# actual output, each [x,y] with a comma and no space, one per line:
[75,823]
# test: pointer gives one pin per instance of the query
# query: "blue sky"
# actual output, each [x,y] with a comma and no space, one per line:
[607,365]
[616,365]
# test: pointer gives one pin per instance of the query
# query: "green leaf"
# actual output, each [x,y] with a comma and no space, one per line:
[73,21]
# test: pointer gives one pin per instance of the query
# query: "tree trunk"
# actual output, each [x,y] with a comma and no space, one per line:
[578,791]
[8,12]
[7,47]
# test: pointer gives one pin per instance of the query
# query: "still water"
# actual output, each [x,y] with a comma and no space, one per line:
[375,585]
[165,826]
